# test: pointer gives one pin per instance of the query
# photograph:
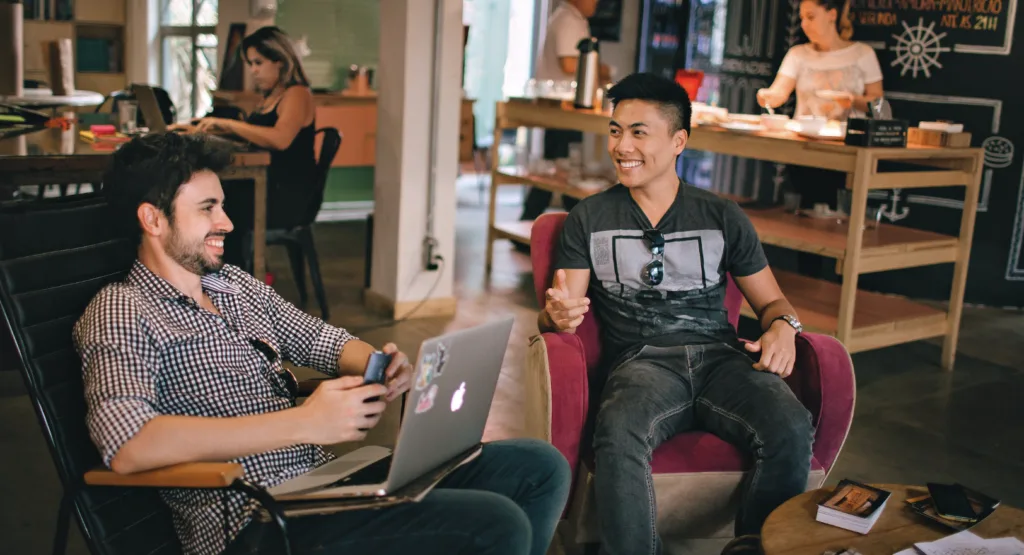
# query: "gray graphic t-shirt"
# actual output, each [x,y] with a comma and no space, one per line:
[706,238]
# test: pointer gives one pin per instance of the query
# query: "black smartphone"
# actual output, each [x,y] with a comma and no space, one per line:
[951,502]
[376,371]
[376,368]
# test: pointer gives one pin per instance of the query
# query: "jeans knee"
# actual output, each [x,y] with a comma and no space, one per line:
[791,434]
[502,526]
[552,469]
[616,430]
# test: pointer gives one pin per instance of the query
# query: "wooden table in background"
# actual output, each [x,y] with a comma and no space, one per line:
[55,156]
[861,320]
[792,529]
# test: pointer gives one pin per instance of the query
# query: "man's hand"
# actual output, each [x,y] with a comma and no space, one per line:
[778,349]
[339,411]
[399,372]
[565,314]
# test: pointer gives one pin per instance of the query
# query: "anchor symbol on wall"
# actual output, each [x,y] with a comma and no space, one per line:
[894,214]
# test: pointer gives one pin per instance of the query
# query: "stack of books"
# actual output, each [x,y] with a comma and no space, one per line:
[853,506]
[982,504]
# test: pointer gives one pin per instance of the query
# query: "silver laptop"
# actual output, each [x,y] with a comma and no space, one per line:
[453,384]
[154,118]
[150,108]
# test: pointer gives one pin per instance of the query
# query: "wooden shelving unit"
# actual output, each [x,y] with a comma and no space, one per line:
[860,319]
[96,23]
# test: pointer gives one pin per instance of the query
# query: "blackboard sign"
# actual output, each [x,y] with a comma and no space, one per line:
[606,25]
[922,32]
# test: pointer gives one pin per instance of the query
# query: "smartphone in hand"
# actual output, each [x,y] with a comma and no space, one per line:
[376,370]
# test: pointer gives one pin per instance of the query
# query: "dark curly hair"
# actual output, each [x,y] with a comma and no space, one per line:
[151,169]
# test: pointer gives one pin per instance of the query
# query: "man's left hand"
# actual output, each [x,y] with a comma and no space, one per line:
[399,372]
[778,349]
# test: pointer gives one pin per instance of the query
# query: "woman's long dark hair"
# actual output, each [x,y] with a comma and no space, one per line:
[273,44]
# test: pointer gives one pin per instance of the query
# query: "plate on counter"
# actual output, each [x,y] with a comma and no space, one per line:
[742,126]
[822,135]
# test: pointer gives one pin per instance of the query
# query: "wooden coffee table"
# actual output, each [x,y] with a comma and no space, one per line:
[792,530]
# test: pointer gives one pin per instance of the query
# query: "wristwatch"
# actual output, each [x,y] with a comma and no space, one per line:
[791,320]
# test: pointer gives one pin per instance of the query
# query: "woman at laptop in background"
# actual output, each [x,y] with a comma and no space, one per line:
[284,123]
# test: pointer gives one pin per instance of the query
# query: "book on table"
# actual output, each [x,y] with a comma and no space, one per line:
[853,506]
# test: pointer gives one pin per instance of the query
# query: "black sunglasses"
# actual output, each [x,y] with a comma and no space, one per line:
[653,273]
[290,384]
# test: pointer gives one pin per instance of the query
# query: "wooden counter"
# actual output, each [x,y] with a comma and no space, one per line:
[861,320]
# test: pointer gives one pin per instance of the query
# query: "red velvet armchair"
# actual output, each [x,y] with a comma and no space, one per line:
[697,476]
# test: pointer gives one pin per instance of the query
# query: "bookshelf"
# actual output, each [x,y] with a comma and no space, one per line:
[97,32]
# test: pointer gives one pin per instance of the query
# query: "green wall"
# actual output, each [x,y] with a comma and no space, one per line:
[349,184]
[339,32]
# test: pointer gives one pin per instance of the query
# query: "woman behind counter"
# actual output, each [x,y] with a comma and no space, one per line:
[829,62]
[283,122]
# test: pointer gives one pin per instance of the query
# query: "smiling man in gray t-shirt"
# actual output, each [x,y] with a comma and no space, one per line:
[654,255]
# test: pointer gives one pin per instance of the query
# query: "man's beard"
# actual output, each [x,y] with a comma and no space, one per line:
[192,256]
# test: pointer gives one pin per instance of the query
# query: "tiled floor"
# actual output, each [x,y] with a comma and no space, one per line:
[914,423]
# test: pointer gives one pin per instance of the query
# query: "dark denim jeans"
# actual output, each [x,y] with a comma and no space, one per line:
[660,392]
[506,501]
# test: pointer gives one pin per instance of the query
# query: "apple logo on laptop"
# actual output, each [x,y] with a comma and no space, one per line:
[457,397]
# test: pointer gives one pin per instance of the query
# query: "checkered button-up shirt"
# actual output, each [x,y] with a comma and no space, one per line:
[148,350]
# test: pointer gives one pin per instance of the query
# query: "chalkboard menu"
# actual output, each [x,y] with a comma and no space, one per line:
[920,32]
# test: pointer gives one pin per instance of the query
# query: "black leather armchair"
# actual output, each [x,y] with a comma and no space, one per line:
[54,256]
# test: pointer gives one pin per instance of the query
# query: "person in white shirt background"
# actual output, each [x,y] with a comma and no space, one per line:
[830,61]
[566,27]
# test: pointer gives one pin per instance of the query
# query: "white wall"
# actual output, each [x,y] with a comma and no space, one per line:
[404,166]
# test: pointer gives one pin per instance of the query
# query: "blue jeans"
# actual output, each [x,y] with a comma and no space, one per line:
[507,501]
[661,392]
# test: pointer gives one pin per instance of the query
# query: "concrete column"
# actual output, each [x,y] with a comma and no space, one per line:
[400,280]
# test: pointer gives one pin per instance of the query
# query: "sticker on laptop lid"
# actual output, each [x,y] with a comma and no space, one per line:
[427,371]
[426,400]
[442,359]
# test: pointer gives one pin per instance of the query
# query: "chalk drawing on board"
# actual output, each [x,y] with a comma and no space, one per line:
[998,152]
[997,113]
[1001,50]
[1015,263]
[895,214]
[918,48]
[793,28]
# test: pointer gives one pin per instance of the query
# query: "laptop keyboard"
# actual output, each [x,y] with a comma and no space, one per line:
[375,473]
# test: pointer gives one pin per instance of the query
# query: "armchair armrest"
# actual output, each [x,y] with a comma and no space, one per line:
[185,475]
[824,381]
[569,393]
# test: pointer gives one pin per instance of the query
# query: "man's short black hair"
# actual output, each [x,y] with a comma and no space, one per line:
[666,93]
[151,169]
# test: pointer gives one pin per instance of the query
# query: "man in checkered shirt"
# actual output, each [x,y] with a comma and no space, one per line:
[183,361]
